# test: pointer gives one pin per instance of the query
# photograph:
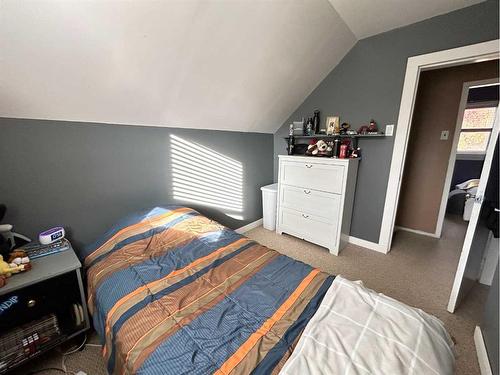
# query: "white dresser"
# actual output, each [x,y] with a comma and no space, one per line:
[315,197]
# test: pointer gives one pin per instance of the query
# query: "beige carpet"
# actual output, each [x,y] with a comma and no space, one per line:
[418,271]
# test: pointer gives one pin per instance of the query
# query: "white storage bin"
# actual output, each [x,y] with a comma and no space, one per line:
[269,204]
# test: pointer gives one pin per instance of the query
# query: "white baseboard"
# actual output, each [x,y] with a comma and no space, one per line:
[368,244]
[482,354]
[250,226]
[354,240]
[416,231]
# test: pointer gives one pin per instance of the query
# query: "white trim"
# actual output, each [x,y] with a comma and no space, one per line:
[416,231]
[452,57]
[366,244]
[482,354]
[249,226]
[474,218]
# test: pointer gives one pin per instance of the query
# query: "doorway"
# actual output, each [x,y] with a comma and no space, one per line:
[479,52]
[476,117]
[446,97]
[451,134]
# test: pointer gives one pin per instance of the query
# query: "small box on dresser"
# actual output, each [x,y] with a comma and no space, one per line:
[315,199]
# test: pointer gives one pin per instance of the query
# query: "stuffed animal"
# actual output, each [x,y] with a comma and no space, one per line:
[18,257]
[6,269]
[316,148]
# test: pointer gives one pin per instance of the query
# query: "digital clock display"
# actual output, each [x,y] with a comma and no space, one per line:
[55,236]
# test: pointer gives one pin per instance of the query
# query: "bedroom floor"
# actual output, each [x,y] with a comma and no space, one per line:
[418,271]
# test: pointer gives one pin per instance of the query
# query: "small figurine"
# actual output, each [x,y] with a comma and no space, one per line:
[356,153]
[309,127]
[372,128]
[329,148]
[363,130]
[344,128]
[316,126]
[291,144]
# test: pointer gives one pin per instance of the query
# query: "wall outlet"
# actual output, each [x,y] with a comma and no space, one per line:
[389,130]
[444,135]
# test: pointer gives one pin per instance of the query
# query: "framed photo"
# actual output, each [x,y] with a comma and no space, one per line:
[332,125]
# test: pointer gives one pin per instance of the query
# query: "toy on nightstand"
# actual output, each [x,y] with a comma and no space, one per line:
[18,262]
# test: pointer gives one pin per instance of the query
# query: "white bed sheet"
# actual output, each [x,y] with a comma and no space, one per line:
[359,331]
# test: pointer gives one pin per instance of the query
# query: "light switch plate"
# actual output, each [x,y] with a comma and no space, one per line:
[389,130]
[444,135]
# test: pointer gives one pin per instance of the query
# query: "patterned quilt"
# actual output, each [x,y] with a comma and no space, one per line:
[173,292]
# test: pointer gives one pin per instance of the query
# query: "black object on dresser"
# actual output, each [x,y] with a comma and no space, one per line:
[41,308]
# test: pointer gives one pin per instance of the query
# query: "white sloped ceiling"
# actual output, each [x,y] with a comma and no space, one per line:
[240,65]
[370,17]
[231,65]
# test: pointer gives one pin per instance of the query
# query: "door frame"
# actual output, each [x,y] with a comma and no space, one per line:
[457,56]
[453,154]
[476,211]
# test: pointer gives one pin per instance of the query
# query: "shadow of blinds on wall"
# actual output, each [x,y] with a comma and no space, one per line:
[205,177]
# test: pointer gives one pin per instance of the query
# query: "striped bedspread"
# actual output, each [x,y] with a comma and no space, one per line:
[173,292]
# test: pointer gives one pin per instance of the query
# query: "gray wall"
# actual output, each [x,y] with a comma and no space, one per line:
[86,176]
[489,325]
[368,83]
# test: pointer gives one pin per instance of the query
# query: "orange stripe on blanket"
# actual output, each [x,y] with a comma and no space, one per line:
[266,255]
[243,350]
[148,221]
[127,297]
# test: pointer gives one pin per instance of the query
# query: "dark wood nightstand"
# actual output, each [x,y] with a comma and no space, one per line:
[51,291]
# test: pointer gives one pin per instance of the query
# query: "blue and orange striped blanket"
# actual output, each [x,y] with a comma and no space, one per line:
[173,292]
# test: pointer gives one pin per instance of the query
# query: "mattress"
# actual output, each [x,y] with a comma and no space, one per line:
[173,292]
[359,331]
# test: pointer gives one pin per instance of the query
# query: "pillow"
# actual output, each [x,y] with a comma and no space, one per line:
[129,228]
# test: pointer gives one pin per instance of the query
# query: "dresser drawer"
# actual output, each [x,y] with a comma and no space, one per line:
[326,205]
[309,227]
[312,175]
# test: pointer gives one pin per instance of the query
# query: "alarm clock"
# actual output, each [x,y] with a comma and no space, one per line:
[51,235]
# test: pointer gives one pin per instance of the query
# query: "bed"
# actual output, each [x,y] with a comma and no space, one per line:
[173,292]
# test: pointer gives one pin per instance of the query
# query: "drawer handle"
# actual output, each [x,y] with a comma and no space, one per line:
[305,216]
[309,165]
[307,191]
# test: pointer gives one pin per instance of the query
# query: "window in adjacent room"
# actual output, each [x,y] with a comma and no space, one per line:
[476,128]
